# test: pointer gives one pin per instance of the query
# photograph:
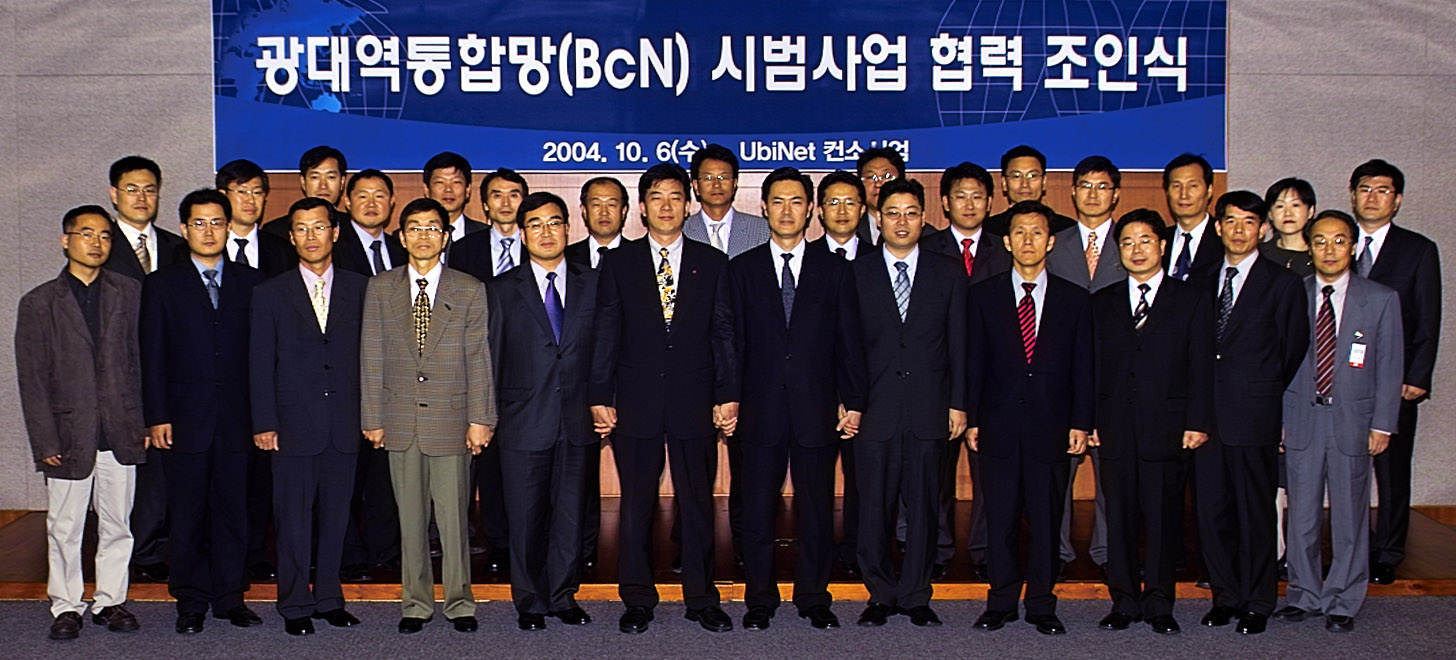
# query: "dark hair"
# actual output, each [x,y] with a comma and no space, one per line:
[68,222]
[309,204]
[370,173]
[621,189]
[967,170]
[1246,200]
[537,200]
[840,176]
[1332,213]
[1147,217]
[1370,168]
[663,172]
[317,155]
[1022,151]
[1030,207]
[425,205]
[200,197]
[240,171]
[901,186]
[508,175]
[788,174]
[713,152]
[1184,160]
[134,163]
[446,160]
[886,153]
[1299,186]
[1101,164]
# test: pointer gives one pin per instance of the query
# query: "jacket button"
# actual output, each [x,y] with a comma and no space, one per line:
[558,356]
[662,375]
[423,378]
[898,374]
[556,389]
[326,393]
[788,356]
[424,405]
[326,367]
[669,347]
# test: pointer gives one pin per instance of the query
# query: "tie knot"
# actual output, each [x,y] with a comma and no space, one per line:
[142,240]
[1230,272]
[211,275]
[841,251]
[551,277]
[506,243]
[1145,287]
[966,243]
[602,249]
[786,257]
[422,282]
[1368,240]
[663,252]
[1328,290]
[901,266]
[242,242]
[318,284]
[1028,286]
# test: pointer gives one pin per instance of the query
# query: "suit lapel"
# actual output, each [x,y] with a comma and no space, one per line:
[879,286]
[441,311]
[1250,290]
[531,299]
[1108,257]
[300,299]
[764,276]
[920,290]
[809,286]
[1389,253]
[71,310]
[685,280]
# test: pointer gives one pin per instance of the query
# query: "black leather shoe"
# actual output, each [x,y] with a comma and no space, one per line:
[1102,573]
[1116,621]
[994,619]
[1061,571]
[465,624]
[712,618]
[635,620]
[875,614]
[356,573]
[262,572]
[531,622]
[338,618]
[116,619]
[1164,624]
[1203,583]
[1284,569]
[499,560]
[983,572]
[589,562]
[157,572]
[938,572]
[1339,623]
[821,617]
[1292,614]
[758,618]
[851,568]
[677,563]
[1047,624]
[1382,573]
[298,627]
[1220,615]
[67,626]
[1252,623]
[188,624]
[412,624]
[923,616]
[572,617]
[240,616]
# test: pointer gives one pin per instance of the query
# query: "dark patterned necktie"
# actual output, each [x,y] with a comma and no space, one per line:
[1324,341]
[1140,315]
[666,290]
[1185,258]
[422,315]
[1026,316]
[786,288]
[902,288]
[1366,260]
[242,256]
[1226,301]
[378,247]
[212,287]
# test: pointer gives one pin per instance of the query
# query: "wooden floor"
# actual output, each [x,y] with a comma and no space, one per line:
[1429,568]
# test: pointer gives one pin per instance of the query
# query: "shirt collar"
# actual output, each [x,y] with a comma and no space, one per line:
[1243,267]
[251,237]
[1154,283]
[131,233]
[496,237]
[432,278]
[1017,280]
[615,243]
[961,236]
[202,268]
[726,221]
[672,248]
[364,236]
[309,277]
[776,251]
[539,272]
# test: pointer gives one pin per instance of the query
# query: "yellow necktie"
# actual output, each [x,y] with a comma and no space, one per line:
[422,315]
[320,305]
[665,289]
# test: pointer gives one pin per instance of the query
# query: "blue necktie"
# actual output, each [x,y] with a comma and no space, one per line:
[786,288]
[1185,258]
[553,306]
[1366,260]
[212,289]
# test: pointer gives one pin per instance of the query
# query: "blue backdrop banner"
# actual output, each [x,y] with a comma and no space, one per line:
[543,85]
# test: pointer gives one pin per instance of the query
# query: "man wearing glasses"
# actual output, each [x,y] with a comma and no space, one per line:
[1023,179]
[714,169]
[246,188]
[194,349]
[876,166]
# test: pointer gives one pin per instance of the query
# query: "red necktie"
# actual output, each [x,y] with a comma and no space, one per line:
[1026,314]
[966,254]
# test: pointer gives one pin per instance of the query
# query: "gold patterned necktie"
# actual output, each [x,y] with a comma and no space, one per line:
[143,254]
[320,306]
[422,315]
[665,288]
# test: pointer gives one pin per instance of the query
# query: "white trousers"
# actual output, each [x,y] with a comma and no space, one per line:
[109,490]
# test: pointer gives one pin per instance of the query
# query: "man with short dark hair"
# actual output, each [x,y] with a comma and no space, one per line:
[77,366]
[447,181]
[1193,245]
[486,254]
[714,169]
[604,211]
[875,167]
[246,187]
[321,173]
[1023,179]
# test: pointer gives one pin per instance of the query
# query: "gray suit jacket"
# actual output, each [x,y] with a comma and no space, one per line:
[432,398]
[749,231]
[1068,259]
[1366,397]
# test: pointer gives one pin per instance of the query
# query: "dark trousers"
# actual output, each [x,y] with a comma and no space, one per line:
[735,502]
[545,504]
[1393,489]
[207,502]
[149,512]
[1141,496]
[1234,491]
[1015,487]
[260,504]
[907,467]
[694,464]
[488,508]
[591,526]
[372,536]
[761,479]
[311,492]
[976,541]
[849,528]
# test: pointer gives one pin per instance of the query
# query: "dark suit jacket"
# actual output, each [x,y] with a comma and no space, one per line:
[195,358]
[542,383]
[1266,337]
[1000,223]
[305,382]
[663,381]
[580,251]
[275,255]
[863,231]
[123,258]
[476,254]
[821,244]
[353,255]
[1210,251]
[1021,408]
[916,368]
[991,256]
[1409,264]
[789,364]
[71,389]
[1154,384]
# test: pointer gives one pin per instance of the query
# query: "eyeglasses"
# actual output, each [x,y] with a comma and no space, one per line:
[879,178]
[1383,191]
[1338,241]
[210,223]
[311,230]
[536,226]
[969,197]
[133,191]
[258,193]
[708,178]
[894,215]
[1029,176]
[1129,243]
[91,235]
[426,230]
[1088,185]
[846,202]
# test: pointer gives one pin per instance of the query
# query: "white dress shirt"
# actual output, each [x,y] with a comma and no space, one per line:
[960,240]
[495,242]
[796,261]
[1375,245]
[250,250]
[594,248]
[1239,279]
[1038,294]
[1102,231]
[539,272]
[874,225]
[1193,238]
[851,246]
[131,233]
[912,260]
[723,227]
[1337,299]
[1134,295]
[674,256]
[367,240]
[432,283]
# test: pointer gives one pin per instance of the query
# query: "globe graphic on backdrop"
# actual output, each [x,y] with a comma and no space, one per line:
[992,101]
[239,23]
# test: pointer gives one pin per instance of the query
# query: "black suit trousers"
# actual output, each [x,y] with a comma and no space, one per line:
[1016,487]
[311,493]
[207,503]
[1147,497]
[260,504]
[694,464]
[907,467]
[488,499]
[149,512]
[591,526]
[849,527]
[373,533]
[760,480]
[1393,488]
[545,502]
[1234,489]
